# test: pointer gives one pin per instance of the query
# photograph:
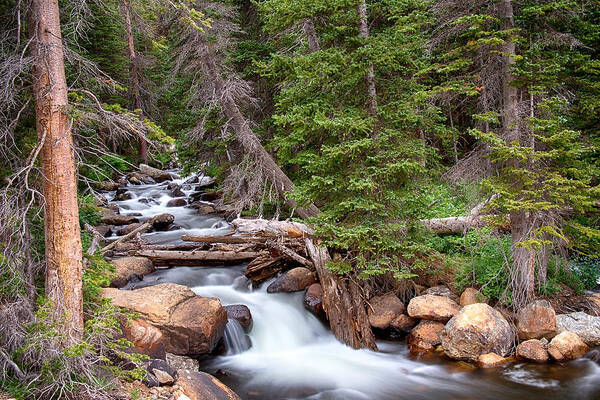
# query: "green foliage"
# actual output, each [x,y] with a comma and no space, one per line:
[89,212]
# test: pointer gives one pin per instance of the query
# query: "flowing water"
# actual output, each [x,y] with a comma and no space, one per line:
[290,354]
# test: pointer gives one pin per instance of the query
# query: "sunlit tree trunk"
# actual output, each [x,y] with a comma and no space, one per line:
[363,31]
[134,78]
[521,222]
[62,233]
[311,35]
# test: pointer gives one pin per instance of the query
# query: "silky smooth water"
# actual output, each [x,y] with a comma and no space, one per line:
[294,356]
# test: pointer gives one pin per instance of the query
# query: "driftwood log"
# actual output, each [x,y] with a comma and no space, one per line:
[196,257]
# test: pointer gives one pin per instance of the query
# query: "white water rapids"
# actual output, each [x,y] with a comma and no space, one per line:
[294,356]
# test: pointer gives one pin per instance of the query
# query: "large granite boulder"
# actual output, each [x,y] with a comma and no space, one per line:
[145,337]
[127,268]
[198,385]
[567,346]
[294,280]
[536,320]
[586,326]
[154,173]
[477,329]
[190,324]
[432,307]
[384,309]
[471,296]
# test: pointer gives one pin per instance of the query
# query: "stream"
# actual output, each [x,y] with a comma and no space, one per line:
[290,354]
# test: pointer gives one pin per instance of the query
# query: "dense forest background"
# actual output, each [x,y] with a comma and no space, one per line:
[387,116]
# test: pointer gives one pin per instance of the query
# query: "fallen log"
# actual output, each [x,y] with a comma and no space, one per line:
[453,225]
[196,257]
[125,238]
[264,267]
[229,239]
[292,255]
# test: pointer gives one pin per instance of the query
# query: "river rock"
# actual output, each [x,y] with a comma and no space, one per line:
[211,196]
[471,296]
[198,385]
[567,346]
[292,281]
[177,192]
[109,217]
[128,267]
[122,194]
[104,230]
[313,300]
[182,362]
[161,222]
[431,307]
[164,373]
[440,291]
[203,208]
[382,310]
[241,314]
[146,338]
[179,202]
[532,351]
[425,336]
[491,360]
[403,323]
[138,178]
[108,186]
[586,326]
[477,329]
[128,229]
[154,173]
[536,320]
[190,324]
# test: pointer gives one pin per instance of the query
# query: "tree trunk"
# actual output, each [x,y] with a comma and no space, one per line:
[134,75]
[61,214]
[521,222]
[311,35]
[248,140]
[363,31]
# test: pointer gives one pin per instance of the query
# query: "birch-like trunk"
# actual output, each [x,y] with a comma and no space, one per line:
[61,214]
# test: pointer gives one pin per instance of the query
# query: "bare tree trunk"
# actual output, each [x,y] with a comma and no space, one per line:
[520,221]
[62,232]
[363,31]
[134,75]
[248,140]
[311,35]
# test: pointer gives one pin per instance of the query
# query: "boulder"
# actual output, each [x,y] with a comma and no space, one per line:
[161,222]
[211,196]
[114,208]
[292,281]
[425,336]
[490,360]
[536,320]
[139,178]
[384,309]
[109,217]
[203,208]
[190,324]
[477,329]
[594,304]
[178,202]
[154,173]
[471,296]
[146,338]
[128,229]
[567,346]
[241,314]
[532,350]
[313,300]
[129,267]
[403,323]
[108,186]
[198,385]
[122,194]
[586,326]
[431,307]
